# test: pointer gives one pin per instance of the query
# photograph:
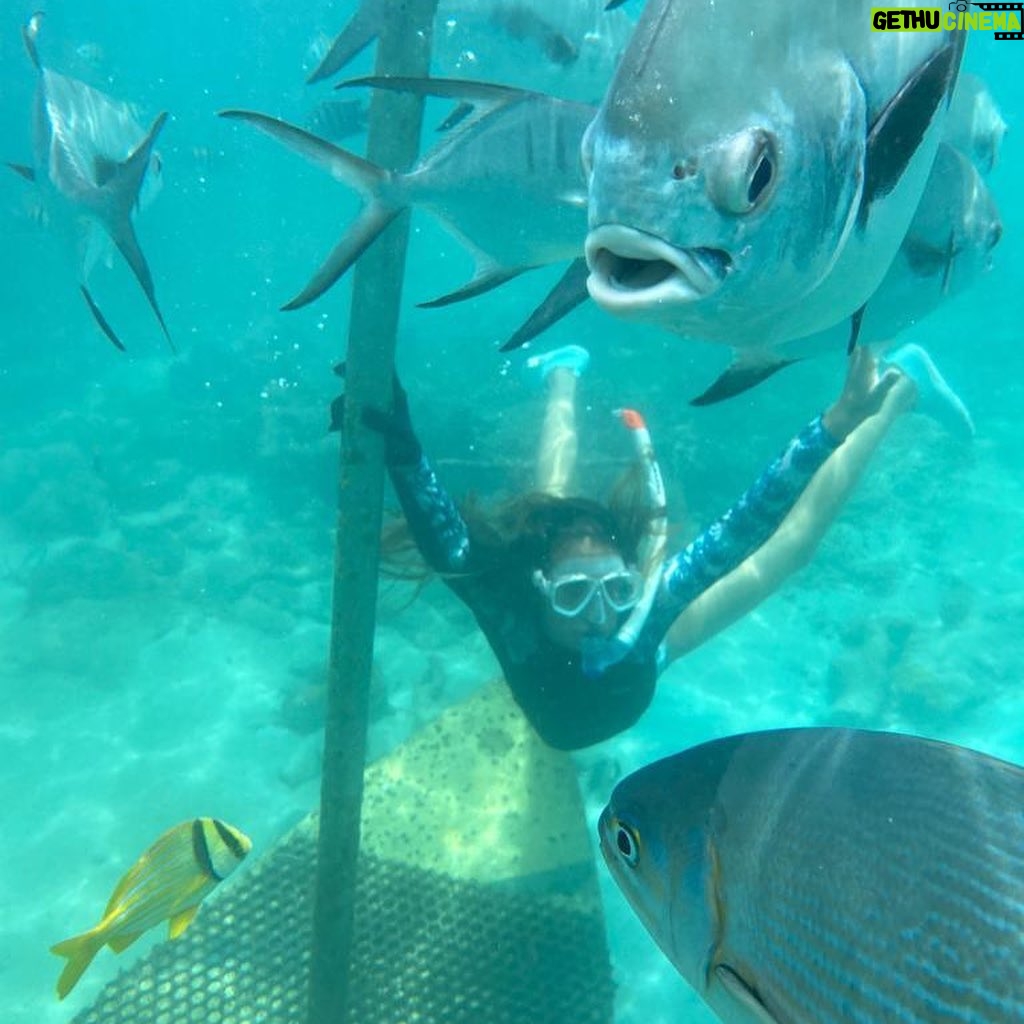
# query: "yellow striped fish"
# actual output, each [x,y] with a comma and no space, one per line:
[167,883]
[818,876]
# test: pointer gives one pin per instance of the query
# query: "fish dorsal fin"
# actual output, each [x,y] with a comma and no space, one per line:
[744,994]
[899,128]
[473,100]
[181,921]
[460,90]
[570,291]
[130,172]
[744,372]
[29,34]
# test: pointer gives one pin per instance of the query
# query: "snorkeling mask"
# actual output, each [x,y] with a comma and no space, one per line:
[570,595]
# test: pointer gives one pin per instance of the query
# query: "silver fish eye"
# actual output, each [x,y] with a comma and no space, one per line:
[761,178]
[627,842]
[742,171]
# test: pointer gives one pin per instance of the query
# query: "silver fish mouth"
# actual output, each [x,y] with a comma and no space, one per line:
[631,270]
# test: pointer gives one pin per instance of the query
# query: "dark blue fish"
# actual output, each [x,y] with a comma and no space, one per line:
[829,876]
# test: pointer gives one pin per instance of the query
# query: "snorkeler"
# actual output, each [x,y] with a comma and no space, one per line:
[575,596]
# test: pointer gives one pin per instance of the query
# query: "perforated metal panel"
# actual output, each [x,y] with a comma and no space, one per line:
[431,946]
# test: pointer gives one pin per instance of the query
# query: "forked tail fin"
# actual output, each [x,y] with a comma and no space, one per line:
[79,952]
[375,183]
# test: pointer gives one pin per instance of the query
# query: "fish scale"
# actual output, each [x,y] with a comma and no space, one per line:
[898,872]
[859,876]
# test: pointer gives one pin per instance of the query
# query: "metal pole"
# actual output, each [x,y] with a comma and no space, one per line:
[395,120]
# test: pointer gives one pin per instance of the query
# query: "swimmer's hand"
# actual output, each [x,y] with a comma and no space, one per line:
[864,391]
[402,447]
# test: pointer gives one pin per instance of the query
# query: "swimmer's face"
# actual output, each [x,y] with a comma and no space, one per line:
[579,567]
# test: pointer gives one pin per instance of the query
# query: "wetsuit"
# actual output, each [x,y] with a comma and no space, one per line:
[566,708]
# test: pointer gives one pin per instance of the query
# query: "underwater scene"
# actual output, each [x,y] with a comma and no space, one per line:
[608,295]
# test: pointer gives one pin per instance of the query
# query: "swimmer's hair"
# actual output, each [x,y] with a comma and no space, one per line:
[530,530]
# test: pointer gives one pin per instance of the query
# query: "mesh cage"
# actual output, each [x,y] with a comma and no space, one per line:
[444,933]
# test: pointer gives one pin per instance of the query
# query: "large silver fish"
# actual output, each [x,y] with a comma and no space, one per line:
[505,181]
[754,167]
[947,247]
[976,127]
[820,876]
[91,163]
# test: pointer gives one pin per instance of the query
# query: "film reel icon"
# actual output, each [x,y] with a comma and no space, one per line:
[963,5]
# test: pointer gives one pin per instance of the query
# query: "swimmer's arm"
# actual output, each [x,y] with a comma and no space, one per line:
[750,522]
[793,544]
[761,510]
[434,520]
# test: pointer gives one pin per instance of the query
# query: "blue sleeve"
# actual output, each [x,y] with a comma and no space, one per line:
[437,527]
[751,521]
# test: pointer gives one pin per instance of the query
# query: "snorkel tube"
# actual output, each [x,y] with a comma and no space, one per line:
[600,655]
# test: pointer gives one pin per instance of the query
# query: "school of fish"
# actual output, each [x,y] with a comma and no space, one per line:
[831,195]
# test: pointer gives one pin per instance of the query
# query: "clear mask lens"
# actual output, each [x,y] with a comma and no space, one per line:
[571,594]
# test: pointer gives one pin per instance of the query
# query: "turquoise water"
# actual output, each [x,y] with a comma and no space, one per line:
[165,544]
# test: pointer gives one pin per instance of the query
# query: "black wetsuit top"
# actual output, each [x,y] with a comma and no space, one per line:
[568,709]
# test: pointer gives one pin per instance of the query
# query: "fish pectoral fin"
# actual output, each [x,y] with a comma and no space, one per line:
[24,170]
[119,943]
[181,921]
[744,994]
[898,130]
[744,372]
[483,281]
[570,291]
